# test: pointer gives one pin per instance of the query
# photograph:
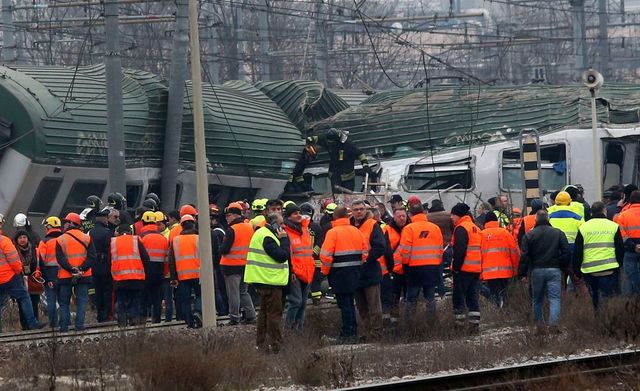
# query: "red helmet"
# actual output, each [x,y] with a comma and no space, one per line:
[73,218]
[188,210]
[326,203]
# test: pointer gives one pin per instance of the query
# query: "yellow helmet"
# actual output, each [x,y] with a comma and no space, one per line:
[287,203]
[149,217]
[259,204]
[159,216]
[563,198]
[330,208]
[52,221]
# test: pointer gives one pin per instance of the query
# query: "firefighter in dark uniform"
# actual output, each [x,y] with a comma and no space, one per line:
[342,154]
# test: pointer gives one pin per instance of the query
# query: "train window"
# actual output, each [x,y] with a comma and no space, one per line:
[439,176]
[45,195]
[133,194]
[553,168]
[77,198]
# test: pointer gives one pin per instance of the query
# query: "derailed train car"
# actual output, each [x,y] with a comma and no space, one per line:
[461,143]
[53,133]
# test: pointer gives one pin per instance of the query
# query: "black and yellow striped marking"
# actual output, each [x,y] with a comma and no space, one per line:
[530,168]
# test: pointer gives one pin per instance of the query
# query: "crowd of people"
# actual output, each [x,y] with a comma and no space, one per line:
[374,257]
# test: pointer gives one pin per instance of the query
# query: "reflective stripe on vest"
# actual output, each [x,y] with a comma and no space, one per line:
[599,248]
[126,263]
[48,253]
[185,251]
[237,255]
[473,257]
[261,268]
[75,252]
[156,246]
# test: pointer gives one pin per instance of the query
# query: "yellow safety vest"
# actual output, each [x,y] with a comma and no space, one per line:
[563,217]
[599,247]
[261,268]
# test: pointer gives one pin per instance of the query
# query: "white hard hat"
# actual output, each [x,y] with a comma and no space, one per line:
[20,220]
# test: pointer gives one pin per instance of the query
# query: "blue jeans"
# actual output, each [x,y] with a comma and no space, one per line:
[82,299]
[546,281]
[348,311]
[52,302]
[185,289]
[601,287]
[297,303]
[16,289]
[631,265]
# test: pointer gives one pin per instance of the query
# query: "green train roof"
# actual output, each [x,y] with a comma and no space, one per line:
[58,116]
[399,123]
[247,133]
[304,102]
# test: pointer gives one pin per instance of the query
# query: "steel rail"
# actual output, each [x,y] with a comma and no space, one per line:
[517,375]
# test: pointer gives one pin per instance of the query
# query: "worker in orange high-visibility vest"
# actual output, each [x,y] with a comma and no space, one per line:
[234,249]
[49,266]
[367,296]
[157,247]
[12,283]
[421,246]
[343,251]
[466,266]
[184,265]
[393,287]
[629,222]
[128,261]
[500,257]
[76,255]
[302,265]
[528,221]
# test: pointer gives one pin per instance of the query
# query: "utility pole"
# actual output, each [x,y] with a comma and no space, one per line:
[202,184]
[263,28]
[175,102]
[322,54]
[9,53]
[603,39]
[579,37]
[213,38]
[240,39]
[113,75]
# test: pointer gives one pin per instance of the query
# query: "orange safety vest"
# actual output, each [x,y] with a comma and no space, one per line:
[343,246]
[473,257]
[421,243]
[394,242]
[367,228]
[47,251]
[529,222]
[237,255]
[185,252]
[514,225]
[126,263]
[10,263]
[629,222]
[155,243]
[499,252]
[301,252]
[75,251]
[174,232]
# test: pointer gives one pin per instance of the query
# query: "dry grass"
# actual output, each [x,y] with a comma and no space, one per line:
[226,359]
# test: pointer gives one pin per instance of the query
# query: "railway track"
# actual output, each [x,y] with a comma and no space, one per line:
[518,376]
[100,331]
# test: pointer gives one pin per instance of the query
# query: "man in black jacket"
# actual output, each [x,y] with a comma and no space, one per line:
[102,281]
[545,255]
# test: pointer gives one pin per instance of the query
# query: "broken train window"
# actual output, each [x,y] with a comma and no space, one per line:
[439,176]
[553,168]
